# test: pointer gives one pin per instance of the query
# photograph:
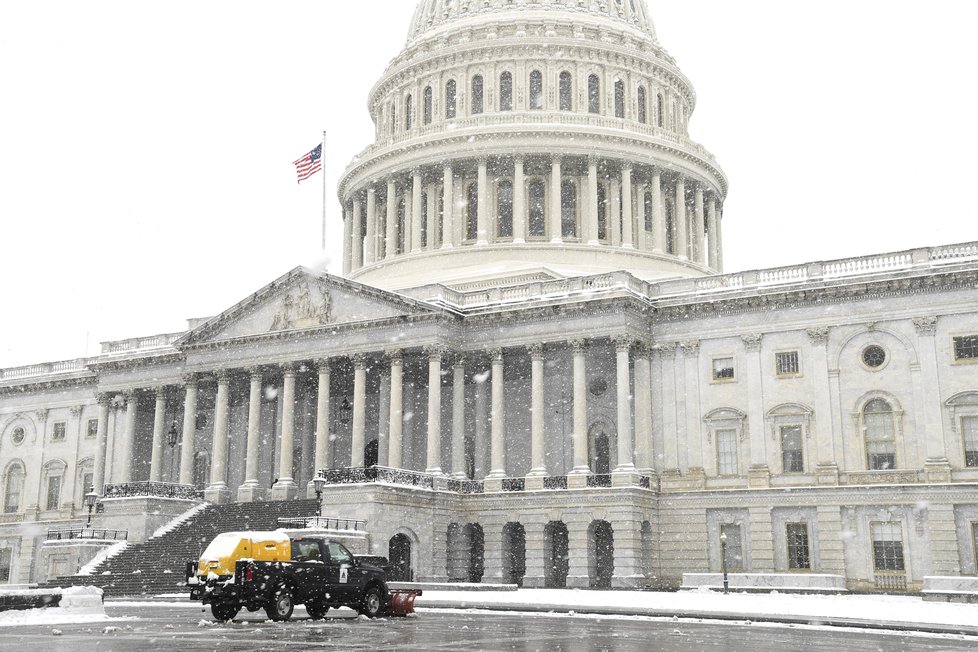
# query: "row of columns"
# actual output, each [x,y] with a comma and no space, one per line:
[378,239]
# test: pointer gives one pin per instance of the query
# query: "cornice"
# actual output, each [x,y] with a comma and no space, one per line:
[29,386]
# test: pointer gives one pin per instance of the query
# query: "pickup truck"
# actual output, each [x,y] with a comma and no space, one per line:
[275,571]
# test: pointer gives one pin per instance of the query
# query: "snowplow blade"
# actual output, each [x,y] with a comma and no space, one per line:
[402,602]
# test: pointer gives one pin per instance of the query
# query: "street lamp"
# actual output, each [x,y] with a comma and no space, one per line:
[90,499]
[318,484]
[171,435]
[723,558]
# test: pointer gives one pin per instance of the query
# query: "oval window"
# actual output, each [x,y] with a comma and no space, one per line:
[874,356]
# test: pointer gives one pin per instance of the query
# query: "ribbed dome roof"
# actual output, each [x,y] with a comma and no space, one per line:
[431,15]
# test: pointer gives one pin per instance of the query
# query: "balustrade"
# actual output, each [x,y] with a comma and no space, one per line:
[152,490]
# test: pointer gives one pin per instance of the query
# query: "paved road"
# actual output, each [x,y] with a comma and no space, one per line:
[148,628]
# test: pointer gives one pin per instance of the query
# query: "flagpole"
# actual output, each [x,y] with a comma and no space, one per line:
[324,190]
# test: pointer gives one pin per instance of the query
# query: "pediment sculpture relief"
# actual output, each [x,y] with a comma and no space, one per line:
[301,310]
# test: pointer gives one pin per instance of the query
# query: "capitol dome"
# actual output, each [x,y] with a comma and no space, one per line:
[523,140]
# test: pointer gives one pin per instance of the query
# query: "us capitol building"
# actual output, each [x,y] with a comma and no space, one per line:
[535,368]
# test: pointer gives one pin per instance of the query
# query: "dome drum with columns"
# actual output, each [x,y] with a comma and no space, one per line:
[558,131]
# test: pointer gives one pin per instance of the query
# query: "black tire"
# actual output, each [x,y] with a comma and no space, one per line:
[225,612]
[317,610]
[372,602]
[281,605]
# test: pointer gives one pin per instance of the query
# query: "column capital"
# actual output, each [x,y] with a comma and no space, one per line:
[433,351]
[458,359]
[256,373]
[592,159]
[665,348]
[535,350]
[395,357]
[643,348]
[76,410]
[519,158]
[627,167]
[623,343]
[288,368]
[190,379]
[159,391]
[223,376]
[579,346]
[323,365]
[104,399]
[690,347]
[925,325]
[496,355]
[42,414]
[752,341]
[359,360]
[818,336]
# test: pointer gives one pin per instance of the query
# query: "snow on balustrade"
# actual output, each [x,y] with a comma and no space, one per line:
[955,252]
[857,266]
[46,369]
[783,275]
[140,343]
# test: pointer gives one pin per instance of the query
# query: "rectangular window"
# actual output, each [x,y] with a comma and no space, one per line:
[966,347]
[969,428]
[974,542]
[54,492]
[887,547]
[792,449]
[60,429]
[92,431]
[787,363]
[798,553]
[727,452]
[87,481]
[5,558]
[723,368]
[734,547]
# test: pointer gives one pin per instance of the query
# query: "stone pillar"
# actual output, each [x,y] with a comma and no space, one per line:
[535,577]
[322,423]
[285,487]
[450,235]
[416,212]
[434,411]
[578,575]
[590,225]
[396,410]
[626,462]
[556,230]
[159,428]
[371,246]
[759,474]
[101,443]
[679,215]
[498,418]
[189,430]
[761,541]
[390,239]
[711,219]
[356,246]
[582,467]
[667,385]
[519,202]
[937,468]
[692,423]
[347,240]
[482,214]
[826,469]
[698,225]
[251,490]
[538,464]
[458,418]
[217,490]
[128,438]
[643,410]
[359,408]
[627,214]
[658,215]
[831,537]
[383,420]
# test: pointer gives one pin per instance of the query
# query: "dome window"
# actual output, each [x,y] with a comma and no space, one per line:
[619,99]
[478,88]
[427,109]
[451,99]
[504,209]
[566,92]
[659,111]
[506,91]
[536,90]
[408,113]
[537,209]
[593,94]
[642,108]
[472,211]
[568,209]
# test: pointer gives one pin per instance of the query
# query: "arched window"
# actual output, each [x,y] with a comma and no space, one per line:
[659,111]
[451,99]
[593,94]
[537,209]
[619,99]
[427,108]
[401,213]
[880,435]
[670,228]
[393,109]
[648,207]
[506,91]
[504,209]
[54,473]
[642,108]
[602,212]
[424,219]
[472,211]
[536,90]
[408,113]
[13,489]
[478,88]
[568,209]
[566,91]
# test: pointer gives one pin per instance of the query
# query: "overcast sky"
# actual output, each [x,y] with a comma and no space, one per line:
[146,147]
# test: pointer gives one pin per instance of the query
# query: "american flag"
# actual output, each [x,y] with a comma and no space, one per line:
[309,164]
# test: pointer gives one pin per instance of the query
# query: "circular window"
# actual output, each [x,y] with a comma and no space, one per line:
[598,386]
[18,435]
[874,356]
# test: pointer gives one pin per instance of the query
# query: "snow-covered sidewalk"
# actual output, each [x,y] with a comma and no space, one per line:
[886,610]
[79,604]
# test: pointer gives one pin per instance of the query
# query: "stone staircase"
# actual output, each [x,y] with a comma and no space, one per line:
[158,565]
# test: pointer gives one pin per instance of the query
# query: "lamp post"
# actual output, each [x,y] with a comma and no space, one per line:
[723,558]
[90,499]
[318,484]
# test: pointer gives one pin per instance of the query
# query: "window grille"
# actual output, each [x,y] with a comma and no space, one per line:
[787,363]
[506,91]
[642,109]
[92,428]
[792,449]
[409,113]
[504,209]
[969,427]
[734,547]
[60,430]
[888,547]
[427,106]
[593,94]
[602,212]
[619,99]
[477,91]
[15,485]
[568,209]
[880,444]
[5,558]
[966,348]
[451,99]
[472,212]
[537,209]
[536,90]
[723,368]
[54,492]
[799,557]
[565,92]
[727,452]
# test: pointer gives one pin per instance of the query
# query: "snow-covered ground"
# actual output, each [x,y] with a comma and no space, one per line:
[79,604]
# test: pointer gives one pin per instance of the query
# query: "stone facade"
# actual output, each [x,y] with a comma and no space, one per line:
[551,383]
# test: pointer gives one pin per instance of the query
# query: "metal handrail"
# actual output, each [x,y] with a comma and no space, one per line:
[87,533]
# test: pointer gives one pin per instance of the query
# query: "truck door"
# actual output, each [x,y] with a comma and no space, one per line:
[310,571]
[347,582]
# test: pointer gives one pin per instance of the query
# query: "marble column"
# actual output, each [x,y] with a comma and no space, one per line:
[450,234]
[623,347]
[347,240]
[322,422]
[128,438]
[699,218]
[482,214]
[371,246]
[498,418]
[538,464]
[391,235]
[159,429]
[643,410]
[189,430]
[458,418]
[217,489]
[826,469]
[590,225]
[759,474]
[101,443]
[396,410]
[556,230]
[581,464]
[252,490]
[359,408]
[659,226]
[356,251]
[628,214]
[416,212]
[433,466]
[711,219]
[285,487]
[936,467]
[519,202]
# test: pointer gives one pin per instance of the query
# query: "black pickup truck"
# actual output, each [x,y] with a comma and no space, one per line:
[314,571]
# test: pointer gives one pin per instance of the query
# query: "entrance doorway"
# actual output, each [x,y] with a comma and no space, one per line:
[555,546]
[514,553]
[477,549]
[601,554]
[399,554]
[370,453]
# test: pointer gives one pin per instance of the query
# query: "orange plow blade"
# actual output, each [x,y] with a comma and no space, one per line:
[402,602]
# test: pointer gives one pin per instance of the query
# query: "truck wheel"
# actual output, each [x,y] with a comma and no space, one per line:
[372,602]
[317,610]
[225,612]
[281,605]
